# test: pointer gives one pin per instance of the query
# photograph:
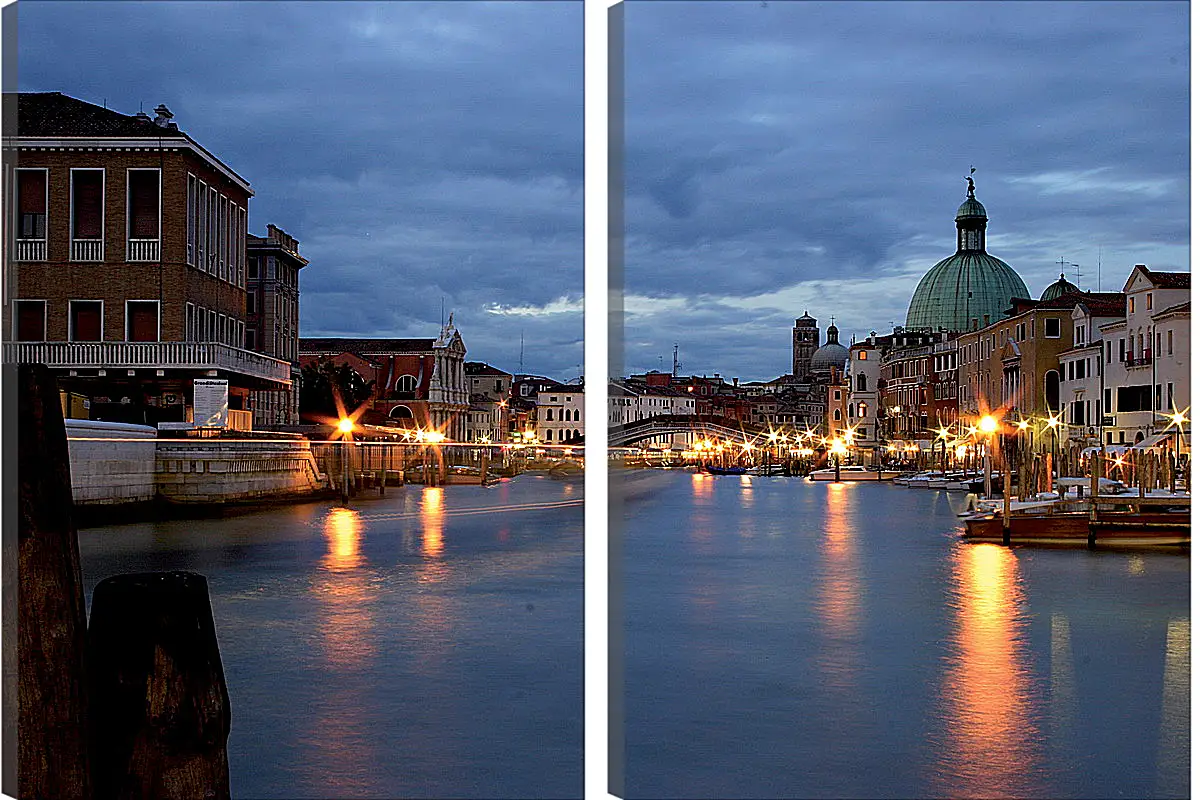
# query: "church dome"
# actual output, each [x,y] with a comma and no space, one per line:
[1059,288]
[971,288]
[830,354]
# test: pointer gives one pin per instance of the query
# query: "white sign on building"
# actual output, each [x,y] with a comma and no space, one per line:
[210,402]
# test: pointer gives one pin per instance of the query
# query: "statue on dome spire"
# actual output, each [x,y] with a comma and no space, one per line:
[971,184]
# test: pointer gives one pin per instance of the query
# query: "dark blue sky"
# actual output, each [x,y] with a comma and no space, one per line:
[417,150]
[792,156]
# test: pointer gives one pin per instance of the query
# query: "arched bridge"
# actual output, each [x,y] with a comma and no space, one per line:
[699,425]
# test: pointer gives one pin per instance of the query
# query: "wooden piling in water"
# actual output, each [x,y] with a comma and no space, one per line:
[52,702]
[161,713]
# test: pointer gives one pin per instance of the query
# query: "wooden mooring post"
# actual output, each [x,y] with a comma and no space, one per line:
[160,707]
[134,706]
[52,702]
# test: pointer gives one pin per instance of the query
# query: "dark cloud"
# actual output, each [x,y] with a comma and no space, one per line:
[809,156]
[420,152]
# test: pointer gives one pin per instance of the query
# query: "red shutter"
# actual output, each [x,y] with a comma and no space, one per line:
[85,322]
[88,204]
[143,321]
[143,205]
[31,191]
[31,322]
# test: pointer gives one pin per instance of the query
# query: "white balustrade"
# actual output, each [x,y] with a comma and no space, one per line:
[87,249]
[31,249]
[159,355]
[143,250]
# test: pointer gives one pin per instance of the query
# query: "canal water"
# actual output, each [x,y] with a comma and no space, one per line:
[792,639]
[424,644]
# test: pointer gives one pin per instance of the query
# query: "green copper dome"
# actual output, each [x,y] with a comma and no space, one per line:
[971,288]
[1059,288]
[964,287]
[971,208]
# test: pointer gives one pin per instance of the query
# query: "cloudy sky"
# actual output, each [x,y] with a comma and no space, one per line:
[418,151]
[792,156]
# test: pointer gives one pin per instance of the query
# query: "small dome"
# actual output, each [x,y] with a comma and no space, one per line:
[971,208]
[1059,288]
[829,355]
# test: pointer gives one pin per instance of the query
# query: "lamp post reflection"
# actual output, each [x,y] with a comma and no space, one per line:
[989,747]
[341,753]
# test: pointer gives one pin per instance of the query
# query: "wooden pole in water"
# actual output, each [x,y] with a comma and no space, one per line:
[52,701]
[483,466]
[160,705]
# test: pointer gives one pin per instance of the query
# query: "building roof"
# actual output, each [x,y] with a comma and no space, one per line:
[482,368]
[1171,280]
[54,114]
[1179,308]
[373,346]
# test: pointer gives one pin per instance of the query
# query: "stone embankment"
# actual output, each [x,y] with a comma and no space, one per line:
[115,465]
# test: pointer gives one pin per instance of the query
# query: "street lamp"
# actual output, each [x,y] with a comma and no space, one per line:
[987,426]
[837,450]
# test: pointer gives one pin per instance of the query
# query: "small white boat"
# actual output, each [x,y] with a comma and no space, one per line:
[853,473]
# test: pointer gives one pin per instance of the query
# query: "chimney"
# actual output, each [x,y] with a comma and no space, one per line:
[163,115]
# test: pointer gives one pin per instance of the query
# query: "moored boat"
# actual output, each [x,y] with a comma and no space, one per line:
[853,473]
[713,469]
[1105,528]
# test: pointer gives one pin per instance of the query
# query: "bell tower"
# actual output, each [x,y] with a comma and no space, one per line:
[804,344]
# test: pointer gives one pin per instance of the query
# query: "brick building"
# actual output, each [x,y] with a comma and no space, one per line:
[126,261]
[273,264]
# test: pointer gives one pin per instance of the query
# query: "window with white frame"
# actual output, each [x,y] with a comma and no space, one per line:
[32,206]
[29,321]
[85,320]
[143,214]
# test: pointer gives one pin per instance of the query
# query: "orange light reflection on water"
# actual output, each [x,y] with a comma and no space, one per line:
[433,522]
[990,747]
[341,753]
[839,593]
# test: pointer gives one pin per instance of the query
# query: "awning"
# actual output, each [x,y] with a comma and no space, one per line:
[1157,440]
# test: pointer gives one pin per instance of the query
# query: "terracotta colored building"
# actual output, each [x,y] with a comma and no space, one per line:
[419,383]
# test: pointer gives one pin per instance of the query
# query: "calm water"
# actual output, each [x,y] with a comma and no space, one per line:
[426,644]
[790,639]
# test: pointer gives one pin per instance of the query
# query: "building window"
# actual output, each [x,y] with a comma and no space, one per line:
[1170,342]
[1121,354]
[1053,328]
[31,213]
[142,205]
[1131,306]
[30,321]
[1171,395]
[1149,300]
[1157,345]
[862,355]
[252,268]
[251,339]
[86,320]
[87,215]
[141,321]
[191,219]
[252,301]
[1108,401]
[1158,396]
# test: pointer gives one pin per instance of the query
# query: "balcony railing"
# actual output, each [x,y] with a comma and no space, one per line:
[87,249]
[1142,361]
[31,249]
[143,250]
[149,355]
